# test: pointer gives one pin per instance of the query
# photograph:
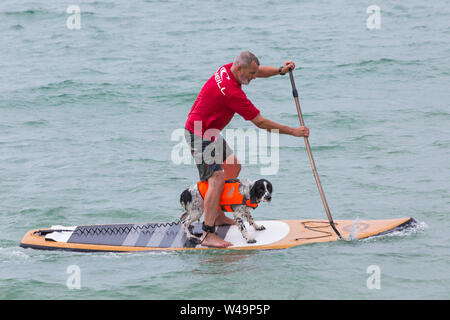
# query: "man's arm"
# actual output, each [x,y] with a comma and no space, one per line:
[268,71]
[264,123]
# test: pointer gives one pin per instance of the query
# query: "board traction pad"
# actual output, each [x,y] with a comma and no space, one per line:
[169,235]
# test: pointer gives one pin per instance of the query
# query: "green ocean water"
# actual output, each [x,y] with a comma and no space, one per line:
[87,116]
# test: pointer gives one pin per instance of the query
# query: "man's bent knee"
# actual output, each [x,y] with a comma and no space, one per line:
[237,169]
[232,167]
[217,180]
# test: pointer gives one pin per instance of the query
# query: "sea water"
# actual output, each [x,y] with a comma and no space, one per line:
[91,93]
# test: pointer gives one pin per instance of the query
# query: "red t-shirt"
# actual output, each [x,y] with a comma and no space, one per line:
[220,98]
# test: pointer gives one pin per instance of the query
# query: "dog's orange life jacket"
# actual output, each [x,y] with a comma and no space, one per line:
[230,195]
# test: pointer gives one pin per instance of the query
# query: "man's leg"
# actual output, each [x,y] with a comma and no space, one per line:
[211,208]
[208,170]
[231,168]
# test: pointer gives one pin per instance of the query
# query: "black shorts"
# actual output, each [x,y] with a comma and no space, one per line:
[208,155]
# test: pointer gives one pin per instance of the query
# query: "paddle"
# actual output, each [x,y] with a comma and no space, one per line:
[308,148]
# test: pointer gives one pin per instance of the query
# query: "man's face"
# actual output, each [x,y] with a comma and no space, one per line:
[249,73]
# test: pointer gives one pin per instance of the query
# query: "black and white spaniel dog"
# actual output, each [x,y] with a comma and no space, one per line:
[238,196]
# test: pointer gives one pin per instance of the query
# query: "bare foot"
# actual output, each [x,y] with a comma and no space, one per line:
[222,219]
[212,240]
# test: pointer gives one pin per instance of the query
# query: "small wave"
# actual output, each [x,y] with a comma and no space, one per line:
[71,84]
[411,229]
[103,4]
[146,160]
[438,114]
[295,115]
[343,123]
[315,148]
[183,97]
[13,253]
[365,137]
[366,62]
[20,254]
[394,152]
[59,85]
[328,147]
[111,59]
[36,123]
[17,27]
[369,65]
[441,144]
[28,12]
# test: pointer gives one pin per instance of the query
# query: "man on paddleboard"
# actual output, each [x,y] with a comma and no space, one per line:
[219,99]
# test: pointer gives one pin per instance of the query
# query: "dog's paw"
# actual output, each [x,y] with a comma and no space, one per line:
[251,241]
[260,228]
[194,241]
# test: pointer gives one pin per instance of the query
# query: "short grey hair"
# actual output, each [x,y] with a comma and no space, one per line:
[245,58]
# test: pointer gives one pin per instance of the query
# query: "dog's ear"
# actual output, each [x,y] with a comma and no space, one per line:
[269,186]
[185,197]
[253,193]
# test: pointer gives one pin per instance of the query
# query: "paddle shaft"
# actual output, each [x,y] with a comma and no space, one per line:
[311,159]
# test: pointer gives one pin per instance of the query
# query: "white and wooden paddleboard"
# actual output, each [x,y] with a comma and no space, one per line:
[279,234]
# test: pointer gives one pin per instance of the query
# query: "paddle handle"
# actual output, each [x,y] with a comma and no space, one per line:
[311,159]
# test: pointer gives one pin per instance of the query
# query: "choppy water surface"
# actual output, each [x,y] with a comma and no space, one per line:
[87,116]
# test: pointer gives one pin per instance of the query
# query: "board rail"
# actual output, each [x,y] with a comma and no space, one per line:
[279,234]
